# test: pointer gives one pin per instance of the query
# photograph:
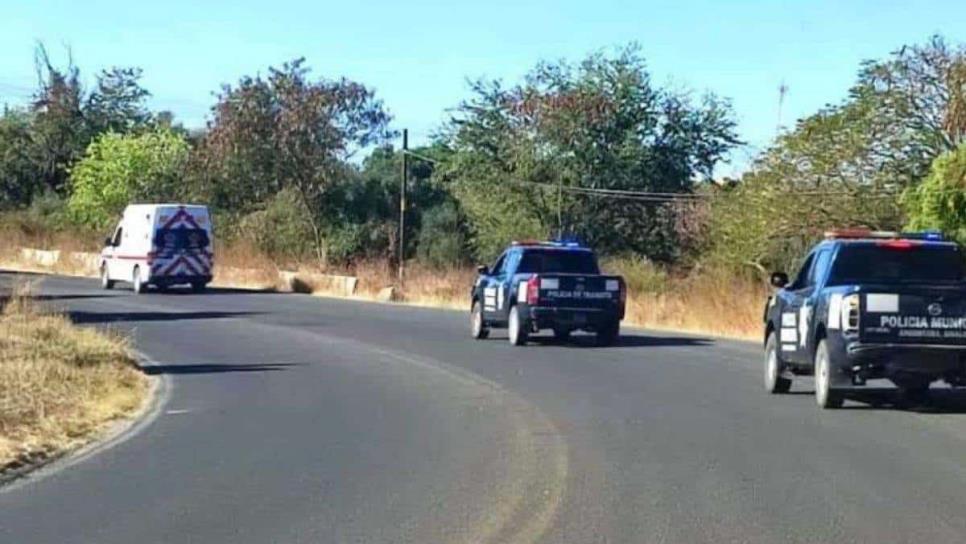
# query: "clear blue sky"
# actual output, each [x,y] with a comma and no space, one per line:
[418,54]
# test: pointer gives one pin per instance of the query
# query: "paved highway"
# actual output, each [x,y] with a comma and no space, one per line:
[299,419]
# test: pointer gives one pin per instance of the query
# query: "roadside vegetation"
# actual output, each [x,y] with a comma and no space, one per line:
[302,174]
[59,384]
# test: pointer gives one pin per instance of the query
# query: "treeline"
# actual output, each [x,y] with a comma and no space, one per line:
[303,168]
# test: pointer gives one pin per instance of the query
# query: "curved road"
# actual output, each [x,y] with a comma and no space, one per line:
[300,419]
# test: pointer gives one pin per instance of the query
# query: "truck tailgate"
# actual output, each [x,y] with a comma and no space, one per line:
[579,291]
[910,314]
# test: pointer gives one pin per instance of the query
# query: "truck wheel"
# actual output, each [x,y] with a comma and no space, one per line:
[562,334]
[607,334]
[106,281]
[517,328]
[825,395]
[198,286]
[478,330]
[913,392]
[774,381]
[136,282]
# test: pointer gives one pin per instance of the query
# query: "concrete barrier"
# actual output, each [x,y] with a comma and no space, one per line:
[89,263]
[310,282]
[40,257]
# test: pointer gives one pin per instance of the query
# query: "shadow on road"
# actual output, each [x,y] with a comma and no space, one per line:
[69,296]
[940,401]
[628,341]
[155,370]
[214,291]
[115,317]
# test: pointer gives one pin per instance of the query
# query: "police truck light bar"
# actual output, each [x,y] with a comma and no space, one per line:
[844,234]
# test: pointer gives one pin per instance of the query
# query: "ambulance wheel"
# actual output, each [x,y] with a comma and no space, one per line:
[106,281]
[825,395]
[161,287]
[517,328]
[136,283]
[198,286]
[774,382]
[478,329]
[607,334]
[562,334]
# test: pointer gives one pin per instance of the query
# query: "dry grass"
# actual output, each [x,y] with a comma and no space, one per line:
[59,384]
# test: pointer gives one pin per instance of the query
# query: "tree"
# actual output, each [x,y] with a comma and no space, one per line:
[939,202]
[600,124]
[18,177]
[117,102]
[59,132]
[119,169]
[847,164]
[287,132]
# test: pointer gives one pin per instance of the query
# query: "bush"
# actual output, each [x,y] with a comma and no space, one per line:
[442,239]
[281,230]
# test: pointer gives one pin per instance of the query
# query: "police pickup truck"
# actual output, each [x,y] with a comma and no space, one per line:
[869,305]
[547,285]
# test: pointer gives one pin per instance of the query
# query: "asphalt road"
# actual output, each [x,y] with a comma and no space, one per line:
[301,419]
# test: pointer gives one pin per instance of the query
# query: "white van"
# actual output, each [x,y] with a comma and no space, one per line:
[160,245]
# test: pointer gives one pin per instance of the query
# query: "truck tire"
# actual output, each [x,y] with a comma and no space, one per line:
[517,326]
[478,329]
[913,391]
[607,334]
[561,334]
[775,383]
[198,286]
[106,281]
[825,395]
[136,283]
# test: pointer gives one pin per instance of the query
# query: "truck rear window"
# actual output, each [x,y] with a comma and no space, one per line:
[558,261]
[875,263]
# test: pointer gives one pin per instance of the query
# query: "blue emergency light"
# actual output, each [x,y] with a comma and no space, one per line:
[929,235]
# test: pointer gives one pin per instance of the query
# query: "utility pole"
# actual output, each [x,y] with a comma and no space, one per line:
[782,91]
[402,204]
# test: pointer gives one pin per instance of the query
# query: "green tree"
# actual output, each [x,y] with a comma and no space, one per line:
[599,124]
[939,202]
[119,169]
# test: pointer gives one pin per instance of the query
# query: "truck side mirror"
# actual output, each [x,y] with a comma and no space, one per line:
[778,279]
[483,270]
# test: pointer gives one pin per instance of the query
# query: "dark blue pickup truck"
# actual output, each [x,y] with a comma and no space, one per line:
[547,285]
[869,305]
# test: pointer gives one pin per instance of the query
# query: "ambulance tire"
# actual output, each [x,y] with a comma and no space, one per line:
[198,286]
[137,285]
[106,282]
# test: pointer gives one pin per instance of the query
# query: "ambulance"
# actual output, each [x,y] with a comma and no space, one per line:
[159,245]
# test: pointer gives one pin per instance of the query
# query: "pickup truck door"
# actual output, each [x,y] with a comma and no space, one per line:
[798,302]
[494,290]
